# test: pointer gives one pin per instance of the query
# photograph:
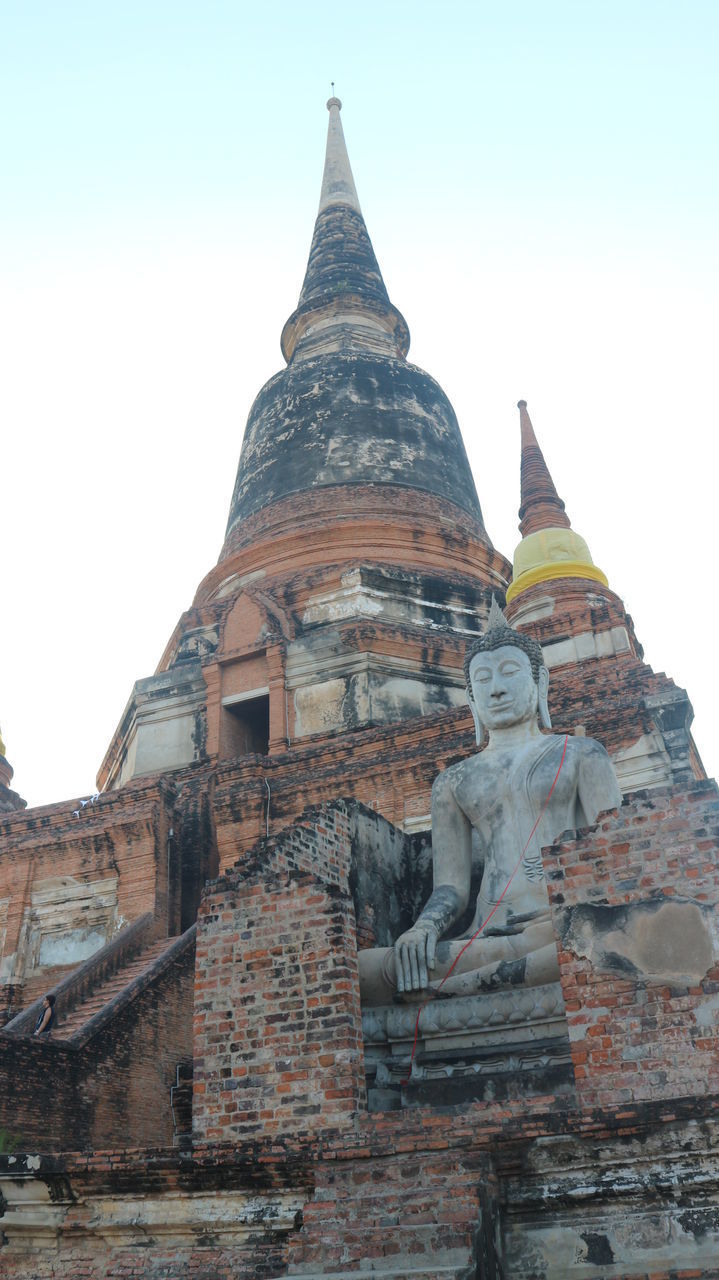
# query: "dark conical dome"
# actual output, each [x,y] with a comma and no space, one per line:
[351,418]
[348,409]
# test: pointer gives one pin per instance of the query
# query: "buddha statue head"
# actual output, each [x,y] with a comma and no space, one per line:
[507,681]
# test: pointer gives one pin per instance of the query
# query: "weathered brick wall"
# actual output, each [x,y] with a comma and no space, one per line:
[524,1194]
[142,1262]
[634,901]
[379,524]
[134,1214]
[405,1212]
[115,1090]
[123,838]
[389,769]
[561,608]
[278,1038]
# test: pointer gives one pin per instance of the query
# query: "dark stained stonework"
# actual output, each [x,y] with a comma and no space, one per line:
[10,801]
[348,410]
[343,277]
[351,419]
[342,260]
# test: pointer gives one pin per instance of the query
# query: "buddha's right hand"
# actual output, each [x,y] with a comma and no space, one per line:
[414,956]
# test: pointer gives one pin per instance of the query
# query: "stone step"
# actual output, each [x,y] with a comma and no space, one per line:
[407,1271]
[408,1260]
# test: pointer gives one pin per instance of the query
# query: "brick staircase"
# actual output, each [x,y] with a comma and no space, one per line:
[39,984]
[68,1024]
[94,991]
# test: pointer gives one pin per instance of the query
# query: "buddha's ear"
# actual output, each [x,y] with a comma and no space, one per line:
[479,728]
[542,703]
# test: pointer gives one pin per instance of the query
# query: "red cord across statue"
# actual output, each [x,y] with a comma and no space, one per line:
[515,796]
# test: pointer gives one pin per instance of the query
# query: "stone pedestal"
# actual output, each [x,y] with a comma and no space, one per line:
[507,1045]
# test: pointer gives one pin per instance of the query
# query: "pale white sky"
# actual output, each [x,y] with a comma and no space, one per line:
[540,184]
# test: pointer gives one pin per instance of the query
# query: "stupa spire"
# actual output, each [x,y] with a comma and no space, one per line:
[349,409]
[549,548]
[343,303]
[540,506]
[338,185]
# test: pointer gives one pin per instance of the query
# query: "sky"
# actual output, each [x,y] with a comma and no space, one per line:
[541,186]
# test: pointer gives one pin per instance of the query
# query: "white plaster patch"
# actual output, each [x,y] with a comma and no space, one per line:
[577,1031]
[69,920]
[706,1011]
[157,730]
[69,948]
[668,943]
[360,687]
[351,601]
[319,708]
[31,1217]
[343,332]
[421,822]
[176,1217]
[645,763]
[534,611]
[236,582]
[394,697]
[587,644]
[321,656]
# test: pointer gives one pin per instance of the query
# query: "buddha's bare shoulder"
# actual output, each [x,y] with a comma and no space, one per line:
[585,749]
[580,752]
[447,782]
[582,757]
[597,782]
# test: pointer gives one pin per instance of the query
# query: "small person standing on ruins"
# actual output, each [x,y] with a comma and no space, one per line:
[46,1017]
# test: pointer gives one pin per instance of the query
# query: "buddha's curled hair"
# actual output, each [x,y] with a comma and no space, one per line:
[499,633]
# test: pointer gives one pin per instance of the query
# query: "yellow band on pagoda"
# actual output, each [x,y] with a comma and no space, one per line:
[555,569]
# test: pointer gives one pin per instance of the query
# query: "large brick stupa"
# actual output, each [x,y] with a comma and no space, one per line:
[217,1098]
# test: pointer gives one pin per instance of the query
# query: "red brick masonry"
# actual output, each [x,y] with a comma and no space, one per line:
[634,1038]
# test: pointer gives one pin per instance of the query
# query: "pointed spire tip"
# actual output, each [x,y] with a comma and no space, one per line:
[337,183]
[541,506]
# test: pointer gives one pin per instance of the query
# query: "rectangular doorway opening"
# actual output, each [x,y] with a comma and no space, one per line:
[246,726]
